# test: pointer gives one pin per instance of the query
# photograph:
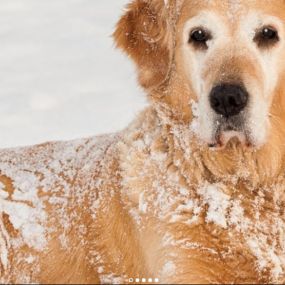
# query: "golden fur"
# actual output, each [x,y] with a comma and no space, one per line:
[138,204]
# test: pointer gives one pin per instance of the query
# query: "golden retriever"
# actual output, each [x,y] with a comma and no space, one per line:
[193,190]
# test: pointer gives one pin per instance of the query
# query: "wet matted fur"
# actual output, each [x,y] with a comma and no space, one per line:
[172,196]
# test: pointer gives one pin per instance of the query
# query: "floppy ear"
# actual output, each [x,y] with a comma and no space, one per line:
[144,34]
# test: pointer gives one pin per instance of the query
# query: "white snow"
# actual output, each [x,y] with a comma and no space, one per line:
[111,279]
[60,75]
[30,259]
[218,203]
[142,204]
[4,245]
[168,269]
[28,220]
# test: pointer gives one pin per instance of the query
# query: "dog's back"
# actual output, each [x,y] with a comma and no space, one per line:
[44,195]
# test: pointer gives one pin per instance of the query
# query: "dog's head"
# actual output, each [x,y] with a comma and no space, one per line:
[226,56]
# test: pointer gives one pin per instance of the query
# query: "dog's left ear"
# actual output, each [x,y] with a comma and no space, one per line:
[144,33]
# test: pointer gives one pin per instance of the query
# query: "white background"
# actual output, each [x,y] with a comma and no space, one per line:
[60,74]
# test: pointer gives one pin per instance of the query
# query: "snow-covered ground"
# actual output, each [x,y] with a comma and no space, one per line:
[60,75]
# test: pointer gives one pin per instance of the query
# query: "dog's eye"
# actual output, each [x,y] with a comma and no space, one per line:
[266,37]
[199,37]
[269,33]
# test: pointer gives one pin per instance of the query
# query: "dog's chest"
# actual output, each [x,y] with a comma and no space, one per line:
[219,221]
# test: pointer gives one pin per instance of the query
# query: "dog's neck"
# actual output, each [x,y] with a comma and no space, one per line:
[235,163]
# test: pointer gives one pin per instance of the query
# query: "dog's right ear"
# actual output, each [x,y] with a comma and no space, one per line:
[144,34]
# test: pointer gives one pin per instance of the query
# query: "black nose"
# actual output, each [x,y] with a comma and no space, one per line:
[228,99]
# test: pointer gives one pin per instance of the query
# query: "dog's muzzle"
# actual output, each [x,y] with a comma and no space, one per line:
[229,101]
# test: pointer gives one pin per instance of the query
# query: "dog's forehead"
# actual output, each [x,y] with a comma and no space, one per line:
[233,9]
